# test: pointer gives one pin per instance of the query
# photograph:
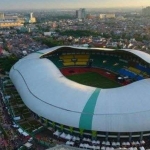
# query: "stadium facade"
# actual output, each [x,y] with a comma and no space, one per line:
[116,113]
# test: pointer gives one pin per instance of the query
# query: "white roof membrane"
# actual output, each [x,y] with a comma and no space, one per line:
[48,93]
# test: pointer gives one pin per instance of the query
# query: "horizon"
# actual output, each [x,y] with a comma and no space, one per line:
[74,4]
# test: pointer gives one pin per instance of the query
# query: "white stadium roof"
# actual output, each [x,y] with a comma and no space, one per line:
[48,93]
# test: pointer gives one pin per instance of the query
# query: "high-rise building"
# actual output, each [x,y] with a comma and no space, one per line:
[76,13]
[81,14]
[146,11]
[2,17]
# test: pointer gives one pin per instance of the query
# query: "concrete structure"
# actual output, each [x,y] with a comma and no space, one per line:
[11,17]
[146,11]
[115,113]
[102,16]
[49,33]
[2,17]
[31,15]
[107,16]
[81,14]
[32,18]
[9,23]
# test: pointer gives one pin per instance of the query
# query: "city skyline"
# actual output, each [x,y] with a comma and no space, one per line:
[52,4]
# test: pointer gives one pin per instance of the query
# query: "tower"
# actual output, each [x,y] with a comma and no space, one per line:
[32,18]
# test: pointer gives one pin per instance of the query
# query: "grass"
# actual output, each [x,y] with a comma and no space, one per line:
[94,79]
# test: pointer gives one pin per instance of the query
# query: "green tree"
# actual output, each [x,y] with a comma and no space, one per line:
[71,129]
[81,131]
[7,62]
[94,134]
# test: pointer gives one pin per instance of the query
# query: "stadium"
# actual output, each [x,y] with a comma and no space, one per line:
[91,92]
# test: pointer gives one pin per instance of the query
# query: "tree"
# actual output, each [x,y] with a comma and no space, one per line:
[71,129]
[94,134]
[7,62]
[79,33]
[50,42]
[81,132]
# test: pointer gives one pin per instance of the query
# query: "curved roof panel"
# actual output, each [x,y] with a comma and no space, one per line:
[48,93]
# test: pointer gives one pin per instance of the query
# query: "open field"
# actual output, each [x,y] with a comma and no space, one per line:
[93,79]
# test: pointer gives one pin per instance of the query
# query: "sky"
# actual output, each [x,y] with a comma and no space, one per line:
[51,4]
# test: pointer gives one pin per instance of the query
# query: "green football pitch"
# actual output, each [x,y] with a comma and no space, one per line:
[93,79]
